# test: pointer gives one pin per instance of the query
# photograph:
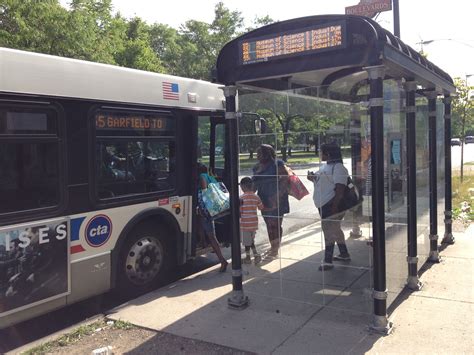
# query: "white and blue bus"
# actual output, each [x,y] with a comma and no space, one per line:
[98,173]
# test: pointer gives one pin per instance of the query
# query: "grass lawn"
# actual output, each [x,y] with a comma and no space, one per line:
[461,193]
[296,158]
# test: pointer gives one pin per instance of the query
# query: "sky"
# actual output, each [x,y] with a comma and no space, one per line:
[449,23]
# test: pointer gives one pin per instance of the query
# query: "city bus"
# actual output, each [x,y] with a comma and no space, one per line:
[98,174]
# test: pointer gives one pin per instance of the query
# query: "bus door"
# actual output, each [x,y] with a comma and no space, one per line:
[212,151]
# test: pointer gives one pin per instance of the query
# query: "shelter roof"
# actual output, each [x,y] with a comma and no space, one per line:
[363,43]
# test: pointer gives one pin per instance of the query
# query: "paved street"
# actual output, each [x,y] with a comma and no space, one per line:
[456,156]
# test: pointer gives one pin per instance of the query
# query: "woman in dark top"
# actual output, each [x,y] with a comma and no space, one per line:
[271,182]
[206,223]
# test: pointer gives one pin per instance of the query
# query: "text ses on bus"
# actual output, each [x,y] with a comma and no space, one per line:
[36,235]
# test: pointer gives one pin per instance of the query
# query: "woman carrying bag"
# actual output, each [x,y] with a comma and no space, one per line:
[329,186]
[205,220]
[270,179]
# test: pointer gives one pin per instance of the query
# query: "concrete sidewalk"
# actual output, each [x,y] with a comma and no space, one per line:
[437,319]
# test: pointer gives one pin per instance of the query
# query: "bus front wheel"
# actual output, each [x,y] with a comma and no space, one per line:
[145,259]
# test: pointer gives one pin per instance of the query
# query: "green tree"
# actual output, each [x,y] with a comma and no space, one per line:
[34,25]
[166,44]
[137,52]
[87,31]
[100,36]
[192,50]
[462,113]
[294,118]
[259,22]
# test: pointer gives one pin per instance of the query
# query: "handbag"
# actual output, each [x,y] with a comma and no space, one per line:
[351,197]
[296,187]
[214,200]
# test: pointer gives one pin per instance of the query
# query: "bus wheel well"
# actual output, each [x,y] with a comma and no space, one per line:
[161,223]
[147,254]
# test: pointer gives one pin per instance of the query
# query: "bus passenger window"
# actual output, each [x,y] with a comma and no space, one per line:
[29,177]
[134,167]
[140,161]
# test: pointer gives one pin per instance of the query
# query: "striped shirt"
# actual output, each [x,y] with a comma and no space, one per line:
[249,202]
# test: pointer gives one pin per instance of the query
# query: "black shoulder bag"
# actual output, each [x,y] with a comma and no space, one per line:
[352,197]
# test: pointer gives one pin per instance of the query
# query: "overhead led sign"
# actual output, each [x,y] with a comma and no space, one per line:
[295,43]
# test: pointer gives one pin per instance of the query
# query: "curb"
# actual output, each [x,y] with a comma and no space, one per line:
[55,335]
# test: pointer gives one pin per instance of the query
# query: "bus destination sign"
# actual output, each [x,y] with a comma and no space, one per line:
[292,44]
[138,122]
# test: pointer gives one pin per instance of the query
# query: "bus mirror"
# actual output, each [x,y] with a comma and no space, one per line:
[260,125]
[246,119]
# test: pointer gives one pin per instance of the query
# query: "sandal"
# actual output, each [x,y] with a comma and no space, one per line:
[223,266]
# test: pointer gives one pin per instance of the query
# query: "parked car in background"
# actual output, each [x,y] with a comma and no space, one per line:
[455,141]
[469,139]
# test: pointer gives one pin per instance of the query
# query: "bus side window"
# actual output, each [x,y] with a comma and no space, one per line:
[141,161]
[30,174]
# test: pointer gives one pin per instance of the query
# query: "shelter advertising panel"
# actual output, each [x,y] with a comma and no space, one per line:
[34,264]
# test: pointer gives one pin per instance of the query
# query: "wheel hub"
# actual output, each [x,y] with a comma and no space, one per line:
[144,260]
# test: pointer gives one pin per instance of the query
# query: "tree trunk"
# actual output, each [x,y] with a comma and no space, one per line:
[462,143]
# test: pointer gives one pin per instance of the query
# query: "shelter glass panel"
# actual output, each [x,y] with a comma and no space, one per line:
[395,178]
[294,186]
[422,180]
[441,177]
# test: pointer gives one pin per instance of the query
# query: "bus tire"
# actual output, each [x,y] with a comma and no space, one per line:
[145,259]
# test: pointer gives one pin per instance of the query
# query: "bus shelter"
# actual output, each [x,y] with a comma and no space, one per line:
[343,80]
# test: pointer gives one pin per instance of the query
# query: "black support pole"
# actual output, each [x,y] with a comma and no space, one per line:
[448,207]
[412,258]
[237,300]
[434,254]
[356,232]
[380,321]
[396,18]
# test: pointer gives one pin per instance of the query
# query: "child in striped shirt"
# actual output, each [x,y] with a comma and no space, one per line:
[249,203]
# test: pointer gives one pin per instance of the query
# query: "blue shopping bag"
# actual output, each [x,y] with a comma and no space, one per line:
[214,200]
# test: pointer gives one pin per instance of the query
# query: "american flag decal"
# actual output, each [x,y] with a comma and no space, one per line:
[170,91]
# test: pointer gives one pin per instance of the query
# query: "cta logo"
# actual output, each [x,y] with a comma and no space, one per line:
[98,230]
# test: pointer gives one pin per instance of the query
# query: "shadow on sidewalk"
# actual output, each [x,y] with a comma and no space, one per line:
[293,306]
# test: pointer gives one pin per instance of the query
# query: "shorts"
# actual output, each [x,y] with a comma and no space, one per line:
[248,238]
[207,226]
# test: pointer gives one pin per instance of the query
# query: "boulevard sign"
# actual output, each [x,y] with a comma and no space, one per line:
[369,8]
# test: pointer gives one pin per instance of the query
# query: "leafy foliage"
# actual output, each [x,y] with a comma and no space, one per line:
[88,30]
[462,112]
[293,120]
